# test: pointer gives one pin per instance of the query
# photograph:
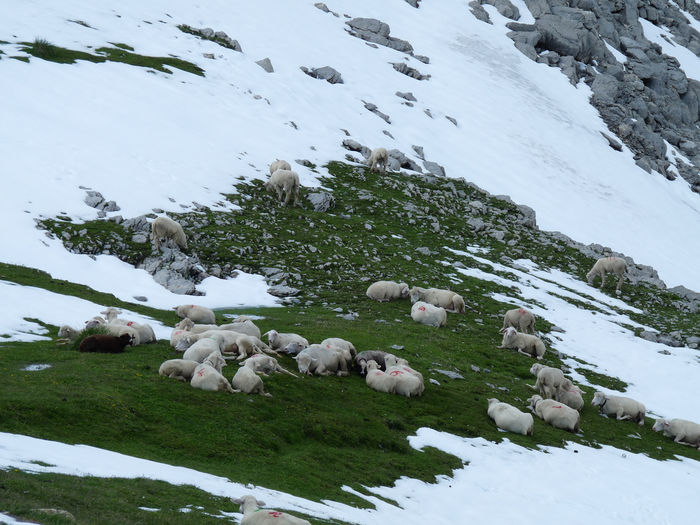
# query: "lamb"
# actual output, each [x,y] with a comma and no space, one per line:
[447,299]
[146,334]
[105,344]
[526,344]
[620,407]
[378,157]
[286,180]
[285,342]
[397,362]
[570,395]
[169,229]
[265,365]
[520,319]
[206,377]
[248,381]
[387,291]
[378,380]
[549,379]
[681,430]
[180,369]
[198,314]
[616,265]
[426,313]
[322,360]
[345,347]
[279,165]
[363,358]
[252,515]
[202,349]
[555,413]
[509,418]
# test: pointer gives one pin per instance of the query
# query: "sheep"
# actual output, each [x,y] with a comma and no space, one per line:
[201,349]
[397,362]
[555,413]
[345,347]
[681,430]
[206,376]
[95,321]
[363,358]
[387,291]
[178,338]
[549,379]
[378,157]
[248,381]
[180,369]
[119,329]
[616,265]
[247,345]
[283,342]
[378,380]
[447,299]
[520,319]
[106,344]
[146,333]
[620,407]
[252,515]
[322,360]
[245,326]
[570,395]
[265,365]
[68,332]
[405,383]
[280,165]
[426,313]
[168,228]
[509,418]
[526,344]
[286,180]
[198,314]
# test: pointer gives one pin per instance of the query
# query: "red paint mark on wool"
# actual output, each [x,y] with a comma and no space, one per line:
[200,373]
[275,513]
[395,373]
[421,308]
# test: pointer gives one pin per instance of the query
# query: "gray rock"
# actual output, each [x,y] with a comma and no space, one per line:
[353,145]
[141,298]
[372,30]
[407,96]
[476,224]
[266,65]
[414,3]
[649,336]
[434,168]
[109,206]
[504,7]
[326,73]
[94,199]
[403,68]
[479,12]
[281,290]
[398,160]
[423,250]
[419,151]
[528,217]
[139,238]
[452,119]
[138,224]
[448,373]
[669,340]
[174,282]
[374,109]
[322,201]
[323,7]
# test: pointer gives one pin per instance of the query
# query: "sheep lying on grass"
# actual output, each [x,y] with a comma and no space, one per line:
[206,376]
[265,365]
[387,291]
[616,265]
[200,350]
[526,344]
[284,180]
[398,363]
[363,358]
[286,342]
[180,369]
[509,418]
[67,333]
[253,515]
[378,158]
[244,326]
[146,333]
[681,430]
[165,227]
[555,413]
[520,319]
[321,360]
[447,299]
[279,165]
[426,313]
[378,380]
[248,381]
[106,344]
[198,314]
[549,379]
[620,407]
[345,347]
[570,394]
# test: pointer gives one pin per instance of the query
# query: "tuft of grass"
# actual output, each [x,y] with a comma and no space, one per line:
[44,49]
[97,330]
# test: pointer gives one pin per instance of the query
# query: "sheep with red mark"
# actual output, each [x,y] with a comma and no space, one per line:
[426,313]
[166,228]
[345,347]
[207,377]
[363,358]
[105,344]
[146,333]
[246,380]
[253,515]
[399,363]
[521,319]
[180,369]
[602,267]
[378,380]
[447,299]
[555,413]
[570,394]
[198,314]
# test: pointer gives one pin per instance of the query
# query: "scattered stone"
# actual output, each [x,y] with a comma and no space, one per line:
[281,290]
[323,7]
[373,108]
[434,381]
[451,119]
[322,201]
[649,336]
[434,168]
[475,368]
[326,73]
[404,69]
[372,30]
[406,96]
[448,373]
[266,64]
[141,298]
[397,347]
[207,33]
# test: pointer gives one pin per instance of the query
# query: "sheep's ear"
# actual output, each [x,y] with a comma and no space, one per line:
[260,503]
[237,501]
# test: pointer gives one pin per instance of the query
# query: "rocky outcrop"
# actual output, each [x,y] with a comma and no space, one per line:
[326,73]
[207,33]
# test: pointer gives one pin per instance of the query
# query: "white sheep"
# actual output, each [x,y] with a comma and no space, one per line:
[247,345]
[509,418]
[286,341]
[284,180]
[620,407]
[681,430]
[68,333]
[526,344]
[520,319]
[206,377]
[447,299]
[549,379]
[200,350]
[616,265]
[555,413]
[245,326]
[181,369]
[426,313]
[570,395]
[391,361]
[322,360]
[265,365]
[346,348]
[120,329]
[146,333]
[405,383]
[378,158]
[198,314]
[165,227]
[378,380]
[280,165]
[178,339]
[248,381]
[253,515]
[387,291]
[226,338]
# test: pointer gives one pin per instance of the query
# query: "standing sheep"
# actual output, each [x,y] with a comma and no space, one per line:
[570,395]
[198,314]
[387,291]
[284,180]
[620,407]
[520,319]
[681,430]
[426,313]
[616,265]
[526,344]
[165,227]
[378,157]
[279,165]
[447,299]
[549,379]
[509,418]
[555,413]
[249,382]
[252,515]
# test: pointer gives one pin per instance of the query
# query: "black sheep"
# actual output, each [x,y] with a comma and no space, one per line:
[106,344]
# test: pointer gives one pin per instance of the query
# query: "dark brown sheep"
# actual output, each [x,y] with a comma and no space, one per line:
[106,344]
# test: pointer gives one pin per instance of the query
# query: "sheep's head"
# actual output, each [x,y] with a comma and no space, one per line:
[589,276]
[185,324]
[492,400]
[404,290]
[509,335]
[415,294]
[661,424]
[248,503]
[535,369]
[305,362]
[372,365]
[390,360]
[598,399]
[272,337]
[183,344]
[294,348]
[533,401]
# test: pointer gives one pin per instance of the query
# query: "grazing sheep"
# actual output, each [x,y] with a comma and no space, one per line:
[549,379]
[248,381]
[397,362]
[322,360]
[253,515]
[509,418]
[378,157]
[206,377]
[363,358]
[378,380]
[555,413]
[520,319]
[387,291]
[570,395]
[620,407]
[198,314]
[526,344]
[180,369]
[282,342]
[616,265]
[284,180]
[426,313]
[447,299]
[345,347]
[105,344]
[265,365]
[146,333]
[681,430]
[165,227]
[280,165]
[200,350]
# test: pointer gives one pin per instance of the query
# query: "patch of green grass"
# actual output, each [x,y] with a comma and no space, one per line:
[127,47]
[21,59]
